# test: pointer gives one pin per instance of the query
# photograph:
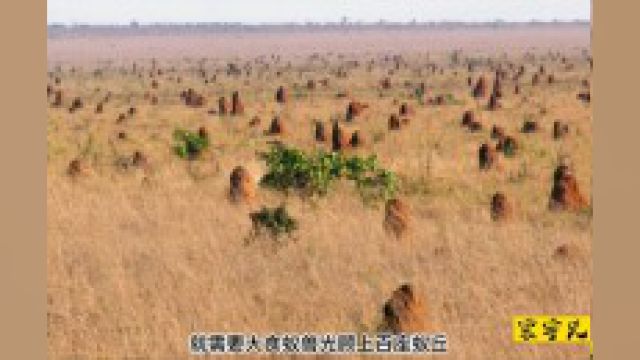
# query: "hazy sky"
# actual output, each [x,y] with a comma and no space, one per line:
[257,11]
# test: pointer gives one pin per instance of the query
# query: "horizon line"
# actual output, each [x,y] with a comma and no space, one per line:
[136,23]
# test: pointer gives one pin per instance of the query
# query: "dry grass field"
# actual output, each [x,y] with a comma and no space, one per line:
[141,254]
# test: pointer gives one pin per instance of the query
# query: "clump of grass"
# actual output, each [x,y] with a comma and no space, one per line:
[449,99]
[416,186]
[88,148]
[290,168]
[189,145]
[378,137]
[276,221]
[299,94]
[522,174]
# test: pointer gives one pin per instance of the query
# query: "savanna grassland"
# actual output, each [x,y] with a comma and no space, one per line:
[143,252]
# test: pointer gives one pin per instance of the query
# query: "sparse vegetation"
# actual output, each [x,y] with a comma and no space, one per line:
[189,145]
[314,173]
[276,221]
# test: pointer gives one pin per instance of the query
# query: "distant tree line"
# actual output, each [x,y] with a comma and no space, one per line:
[57,29]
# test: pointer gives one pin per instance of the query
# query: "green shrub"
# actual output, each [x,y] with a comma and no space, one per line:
[509,149]
[276,221]
[314,173]
[189,145]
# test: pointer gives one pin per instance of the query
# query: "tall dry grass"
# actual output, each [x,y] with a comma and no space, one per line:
[138,259]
